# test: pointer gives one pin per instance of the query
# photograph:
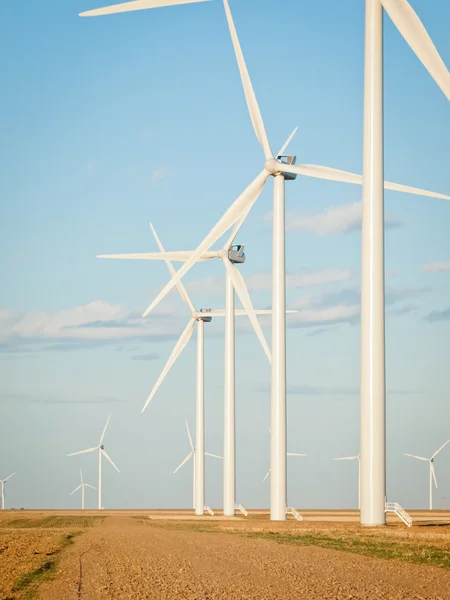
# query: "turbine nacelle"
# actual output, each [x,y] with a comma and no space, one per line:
[236,254]
[275,166]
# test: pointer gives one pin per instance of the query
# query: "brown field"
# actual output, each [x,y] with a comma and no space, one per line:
[132,555]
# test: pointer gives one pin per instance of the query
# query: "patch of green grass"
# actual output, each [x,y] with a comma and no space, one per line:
[29,582]
[51,522]
[415,552]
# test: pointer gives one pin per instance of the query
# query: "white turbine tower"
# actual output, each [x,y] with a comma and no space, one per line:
[372,290]
[373,379]
[191,454]
[358,458]
[432,472]
[3,481]
[101,452]
[82,486]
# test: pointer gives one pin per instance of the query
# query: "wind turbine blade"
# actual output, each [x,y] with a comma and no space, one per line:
[346,458]
[90,486]
[136,5]
[75,490]
[189,436]
[416,36]
[104,431]
[244,297]
[295,454]
[179,347]
[213,455]
[180,287]
[267,475]
[437,451]
[83,451]
[246,199]
[414,456]
[252,103]
[321,172]
[180,256]
[81,476]
[237,228]
[287,142]
[9,477]
[106,455]
[433,473]
[183,462]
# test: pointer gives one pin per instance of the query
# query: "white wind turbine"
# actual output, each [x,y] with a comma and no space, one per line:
[372,294]
[201,317]
[287,454]
[82,486]
[230,255]
[373,380]
[3,481]
[432,472]
[191,454]
[101,452]
[358,458]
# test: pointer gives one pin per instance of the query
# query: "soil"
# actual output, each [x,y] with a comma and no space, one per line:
[128,558]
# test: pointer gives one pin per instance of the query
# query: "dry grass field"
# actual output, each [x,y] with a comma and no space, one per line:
[129,555]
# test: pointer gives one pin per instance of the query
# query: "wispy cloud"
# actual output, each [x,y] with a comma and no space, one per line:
[439,315]
[148,356]
[437,267]
[92,325]
[157,175]
[344,218]
[92,168]
[28,398]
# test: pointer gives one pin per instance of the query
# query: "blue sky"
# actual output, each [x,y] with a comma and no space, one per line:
[111,122]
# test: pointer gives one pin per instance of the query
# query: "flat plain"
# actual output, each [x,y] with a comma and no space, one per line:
[129,555]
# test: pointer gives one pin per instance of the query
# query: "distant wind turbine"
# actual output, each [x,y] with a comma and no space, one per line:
[101,452]
[432,473]
[82,486]
[3,481]
[188,457]
[358,458]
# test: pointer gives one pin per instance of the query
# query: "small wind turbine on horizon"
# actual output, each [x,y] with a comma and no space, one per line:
[3,481]
[192,454]
[287,454]
[432,472]
[101,452]
[358,458]
[82,486]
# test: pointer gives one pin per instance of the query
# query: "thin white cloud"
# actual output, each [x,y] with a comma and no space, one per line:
[336,219]
[437,267]
[91,168]
[93,324]
[157,175]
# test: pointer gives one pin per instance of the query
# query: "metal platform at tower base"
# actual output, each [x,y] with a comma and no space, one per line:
[394,507]
[294,512]
[241,509]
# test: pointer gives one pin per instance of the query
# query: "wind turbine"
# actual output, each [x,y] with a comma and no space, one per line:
[287,454]
[201,317]
[3,481]
[191,454]
[372,307]
[432,472]
[82,486]
[358,458]
[101,452]
[373,379]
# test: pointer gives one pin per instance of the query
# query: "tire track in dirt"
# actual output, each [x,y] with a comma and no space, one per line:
[127,559]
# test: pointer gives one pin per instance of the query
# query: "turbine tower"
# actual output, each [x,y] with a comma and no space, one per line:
[82,486]
[358,458]
[373,379]
[3,481]
[191,454]
[432,472]
[283,167]
[101,452]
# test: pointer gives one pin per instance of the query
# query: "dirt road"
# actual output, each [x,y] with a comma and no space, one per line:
[128,559]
